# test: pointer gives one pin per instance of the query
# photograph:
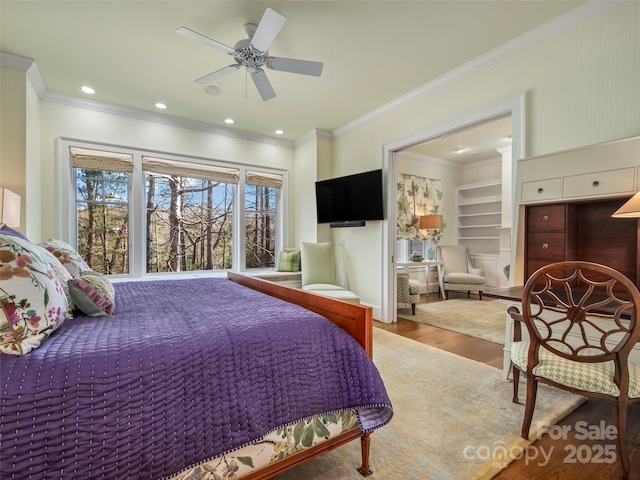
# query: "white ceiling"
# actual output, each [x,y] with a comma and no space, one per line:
[373,53]
[471,145]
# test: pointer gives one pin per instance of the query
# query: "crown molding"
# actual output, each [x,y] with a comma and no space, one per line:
[14,61]
[29,65]
[561,23]
[585,11]
[103,107]
[314,134]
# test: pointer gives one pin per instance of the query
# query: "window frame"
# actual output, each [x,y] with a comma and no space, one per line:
[67,214]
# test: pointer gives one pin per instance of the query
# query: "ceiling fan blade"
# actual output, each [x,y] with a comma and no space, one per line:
[269,26]
[217,74]
[262,84]
[304,67]
[206,40]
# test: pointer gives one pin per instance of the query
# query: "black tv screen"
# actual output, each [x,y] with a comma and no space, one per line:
[349,199]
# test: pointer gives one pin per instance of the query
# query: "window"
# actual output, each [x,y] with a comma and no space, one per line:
[189,213]
[102,201]
[138,214]
[406,246]
[261,198]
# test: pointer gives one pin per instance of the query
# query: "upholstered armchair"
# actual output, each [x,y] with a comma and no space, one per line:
[582,323]
[459,273]
[408,291]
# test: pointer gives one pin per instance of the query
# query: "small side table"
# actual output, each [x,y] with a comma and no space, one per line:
[426,264]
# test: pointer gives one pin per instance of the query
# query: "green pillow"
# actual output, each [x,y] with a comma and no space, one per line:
[289,261]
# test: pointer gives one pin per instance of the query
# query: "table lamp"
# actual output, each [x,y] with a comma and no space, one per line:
[9,208]
[430,222]
[631,209]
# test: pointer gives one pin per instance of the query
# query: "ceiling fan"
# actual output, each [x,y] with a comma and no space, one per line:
[252,54]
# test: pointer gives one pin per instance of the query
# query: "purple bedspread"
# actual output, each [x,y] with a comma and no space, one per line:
[184,371]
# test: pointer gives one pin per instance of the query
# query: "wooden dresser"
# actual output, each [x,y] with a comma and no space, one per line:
[581,231]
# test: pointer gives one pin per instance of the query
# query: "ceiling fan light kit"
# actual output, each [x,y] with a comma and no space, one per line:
[252,54]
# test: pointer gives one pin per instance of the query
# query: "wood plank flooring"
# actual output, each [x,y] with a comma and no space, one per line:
[567,458]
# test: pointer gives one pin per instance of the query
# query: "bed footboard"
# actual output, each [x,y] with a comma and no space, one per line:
[356,320]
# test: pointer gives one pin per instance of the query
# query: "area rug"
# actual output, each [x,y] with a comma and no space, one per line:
[453,419]
[472,317]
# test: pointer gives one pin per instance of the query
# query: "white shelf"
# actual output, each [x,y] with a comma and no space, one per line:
[479,217]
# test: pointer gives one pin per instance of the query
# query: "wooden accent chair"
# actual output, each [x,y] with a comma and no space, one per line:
[581,319]
[408,291]
[459,273]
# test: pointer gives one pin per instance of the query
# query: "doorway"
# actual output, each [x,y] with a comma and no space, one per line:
[512,107]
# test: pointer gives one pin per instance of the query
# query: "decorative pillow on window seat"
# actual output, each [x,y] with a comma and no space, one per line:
[288,261]
[93,294]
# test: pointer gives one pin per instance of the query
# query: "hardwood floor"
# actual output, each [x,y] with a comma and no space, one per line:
[564,458]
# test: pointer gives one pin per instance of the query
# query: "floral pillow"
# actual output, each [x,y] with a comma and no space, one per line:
[68,256]
[63,275]
[33,300]
[93,294]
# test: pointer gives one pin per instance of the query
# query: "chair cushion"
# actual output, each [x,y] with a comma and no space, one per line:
[589,377]
[317,263]
[345,295]
[463,278]
[322,286]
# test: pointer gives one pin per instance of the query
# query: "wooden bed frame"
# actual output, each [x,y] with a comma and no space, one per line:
[356,320]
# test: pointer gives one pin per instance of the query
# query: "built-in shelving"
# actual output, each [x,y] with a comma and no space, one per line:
[480,217]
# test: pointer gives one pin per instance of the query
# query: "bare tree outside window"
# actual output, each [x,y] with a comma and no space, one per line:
[189,224]
[102,201]
[260,219]
[185,213]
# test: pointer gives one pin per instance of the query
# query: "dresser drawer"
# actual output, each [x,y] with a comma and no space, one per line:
[546,246]
[546,218]
[534,265]
[611,182]
[541,190]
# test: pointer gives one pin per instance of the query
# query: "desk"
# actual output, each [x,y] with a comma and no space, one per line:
[425,265]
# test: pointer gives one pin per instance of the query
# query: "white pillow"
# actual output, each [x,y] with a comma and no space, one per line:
[317,263]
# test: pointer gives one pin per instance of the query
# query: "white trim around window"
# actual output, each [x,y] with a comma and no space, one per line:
[67,226]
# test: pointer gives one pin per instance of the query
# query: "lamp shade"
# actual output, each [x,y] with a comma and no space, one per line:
[430,222]
[631,209]
[9,208]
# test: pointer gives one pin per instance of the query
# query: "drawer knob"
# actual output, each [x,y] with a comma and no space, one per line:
[540,190]
[545,246]
[596,183]
[545,218]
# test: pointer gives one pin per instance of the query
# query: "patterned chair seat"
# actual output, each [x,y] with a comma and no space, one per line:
[589,377]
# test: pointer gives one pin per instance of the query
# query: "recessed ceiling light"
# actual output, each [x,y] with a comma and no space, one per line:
[461,150]
[161,106]
[279,132]
[87,89]
[229,121]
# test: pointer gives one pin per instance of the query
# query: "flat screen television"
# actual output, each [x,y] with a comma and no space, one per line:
[351,200]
